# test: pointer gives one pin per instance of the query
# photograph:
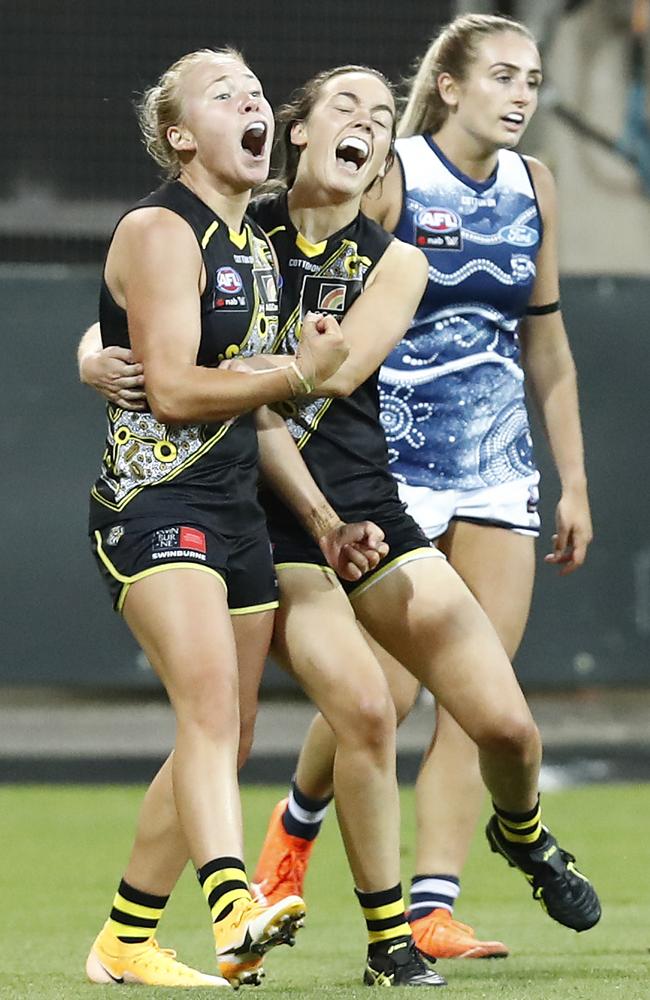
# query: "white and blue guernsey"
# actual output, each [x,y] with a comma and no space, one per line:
[452,394]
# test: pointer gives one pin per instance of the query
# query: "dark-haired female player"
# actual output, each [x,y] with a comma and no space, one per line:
[453,408]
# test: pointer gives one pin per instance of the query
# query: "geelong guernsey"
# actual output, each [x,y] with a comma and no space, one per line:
[452,393]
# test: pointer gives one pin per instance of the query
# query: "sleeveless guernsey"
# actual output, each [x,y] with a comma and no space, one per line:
[452,393]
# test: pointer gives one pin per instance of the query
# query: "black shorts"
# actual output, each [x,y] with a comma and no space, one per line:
[405,539]
[130,550]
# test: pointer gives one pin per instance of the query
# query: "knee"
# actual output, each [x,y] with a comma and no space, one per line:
[516,736]
[209,702]
[371,722]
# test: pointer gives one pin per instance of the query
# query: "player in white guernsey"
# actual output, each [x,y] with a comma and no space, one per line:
[452,397]
[452,392]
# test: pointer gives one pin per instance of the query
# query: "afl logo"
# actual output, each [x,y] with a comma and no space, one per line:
[519,236]
[438,229]
[228,281]
[437,220]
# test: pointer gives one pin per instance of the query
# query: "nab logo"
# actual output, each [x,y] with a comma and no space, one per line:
[228,281]
[438,229]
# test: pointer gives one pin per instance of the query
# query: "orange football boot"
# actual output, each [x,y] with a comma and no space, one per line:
[282,863]
[438,935]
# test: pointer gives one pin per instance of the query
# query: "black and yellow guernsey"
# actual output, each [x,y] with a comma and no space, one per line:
[150,469]
[341,440]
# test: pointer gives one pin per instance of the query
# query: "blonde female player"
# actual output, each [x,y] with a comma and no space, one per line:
[177,531]
[454,413]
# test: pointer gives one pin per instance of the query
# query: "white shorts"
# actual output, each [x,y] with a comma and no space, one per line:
[511,505]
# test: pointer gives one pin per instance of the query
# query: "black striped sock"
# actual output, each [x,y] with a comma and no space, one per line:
[303,816]
[524,829]
[135,915]
[223,881]
[384,915]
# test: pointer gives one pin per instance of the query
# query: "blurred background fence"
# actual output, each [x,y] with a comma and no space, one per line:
[72,160]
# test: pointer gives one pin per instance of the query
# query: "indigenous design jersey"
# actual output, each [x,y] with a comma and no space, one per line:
[452,392]
[149,467]
[341,440]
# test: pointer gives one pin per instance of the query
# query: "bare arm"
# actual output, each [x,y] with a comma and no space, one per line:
[351,549]
[551,376]
[114,374]
[380,316]
[154,271]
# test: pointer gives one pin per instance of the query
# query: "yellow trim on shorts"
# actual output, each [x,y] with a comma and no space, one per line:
[299,565]
[420,553]
[128,581]
[254,608]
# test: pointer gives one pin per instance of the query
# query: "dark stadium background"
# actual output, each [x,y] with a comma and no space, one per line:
[71,159]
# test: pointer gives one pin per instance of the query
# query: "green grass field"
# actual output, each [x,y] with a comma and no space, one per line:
[63,850]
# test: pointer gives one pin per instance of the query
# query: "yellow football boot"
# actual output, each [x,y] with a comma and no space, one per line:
[245,935]
[112,961]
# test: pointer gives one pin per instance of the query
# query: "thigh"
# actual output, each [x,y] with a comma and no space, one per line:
[181,620]
[403,686]
[426,617]
[318,640]
[498,566]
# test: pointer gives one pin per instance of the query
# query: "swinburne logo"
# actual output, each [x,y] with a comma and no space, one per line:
[438,229]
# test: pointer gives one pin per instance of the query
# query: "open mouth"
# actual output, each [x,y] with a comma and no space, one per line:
[351,153]
[514,119]
[254,139]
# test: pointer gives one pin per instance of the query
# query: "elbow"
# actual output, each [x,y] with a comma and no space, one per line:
[167,406]
[168,414]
